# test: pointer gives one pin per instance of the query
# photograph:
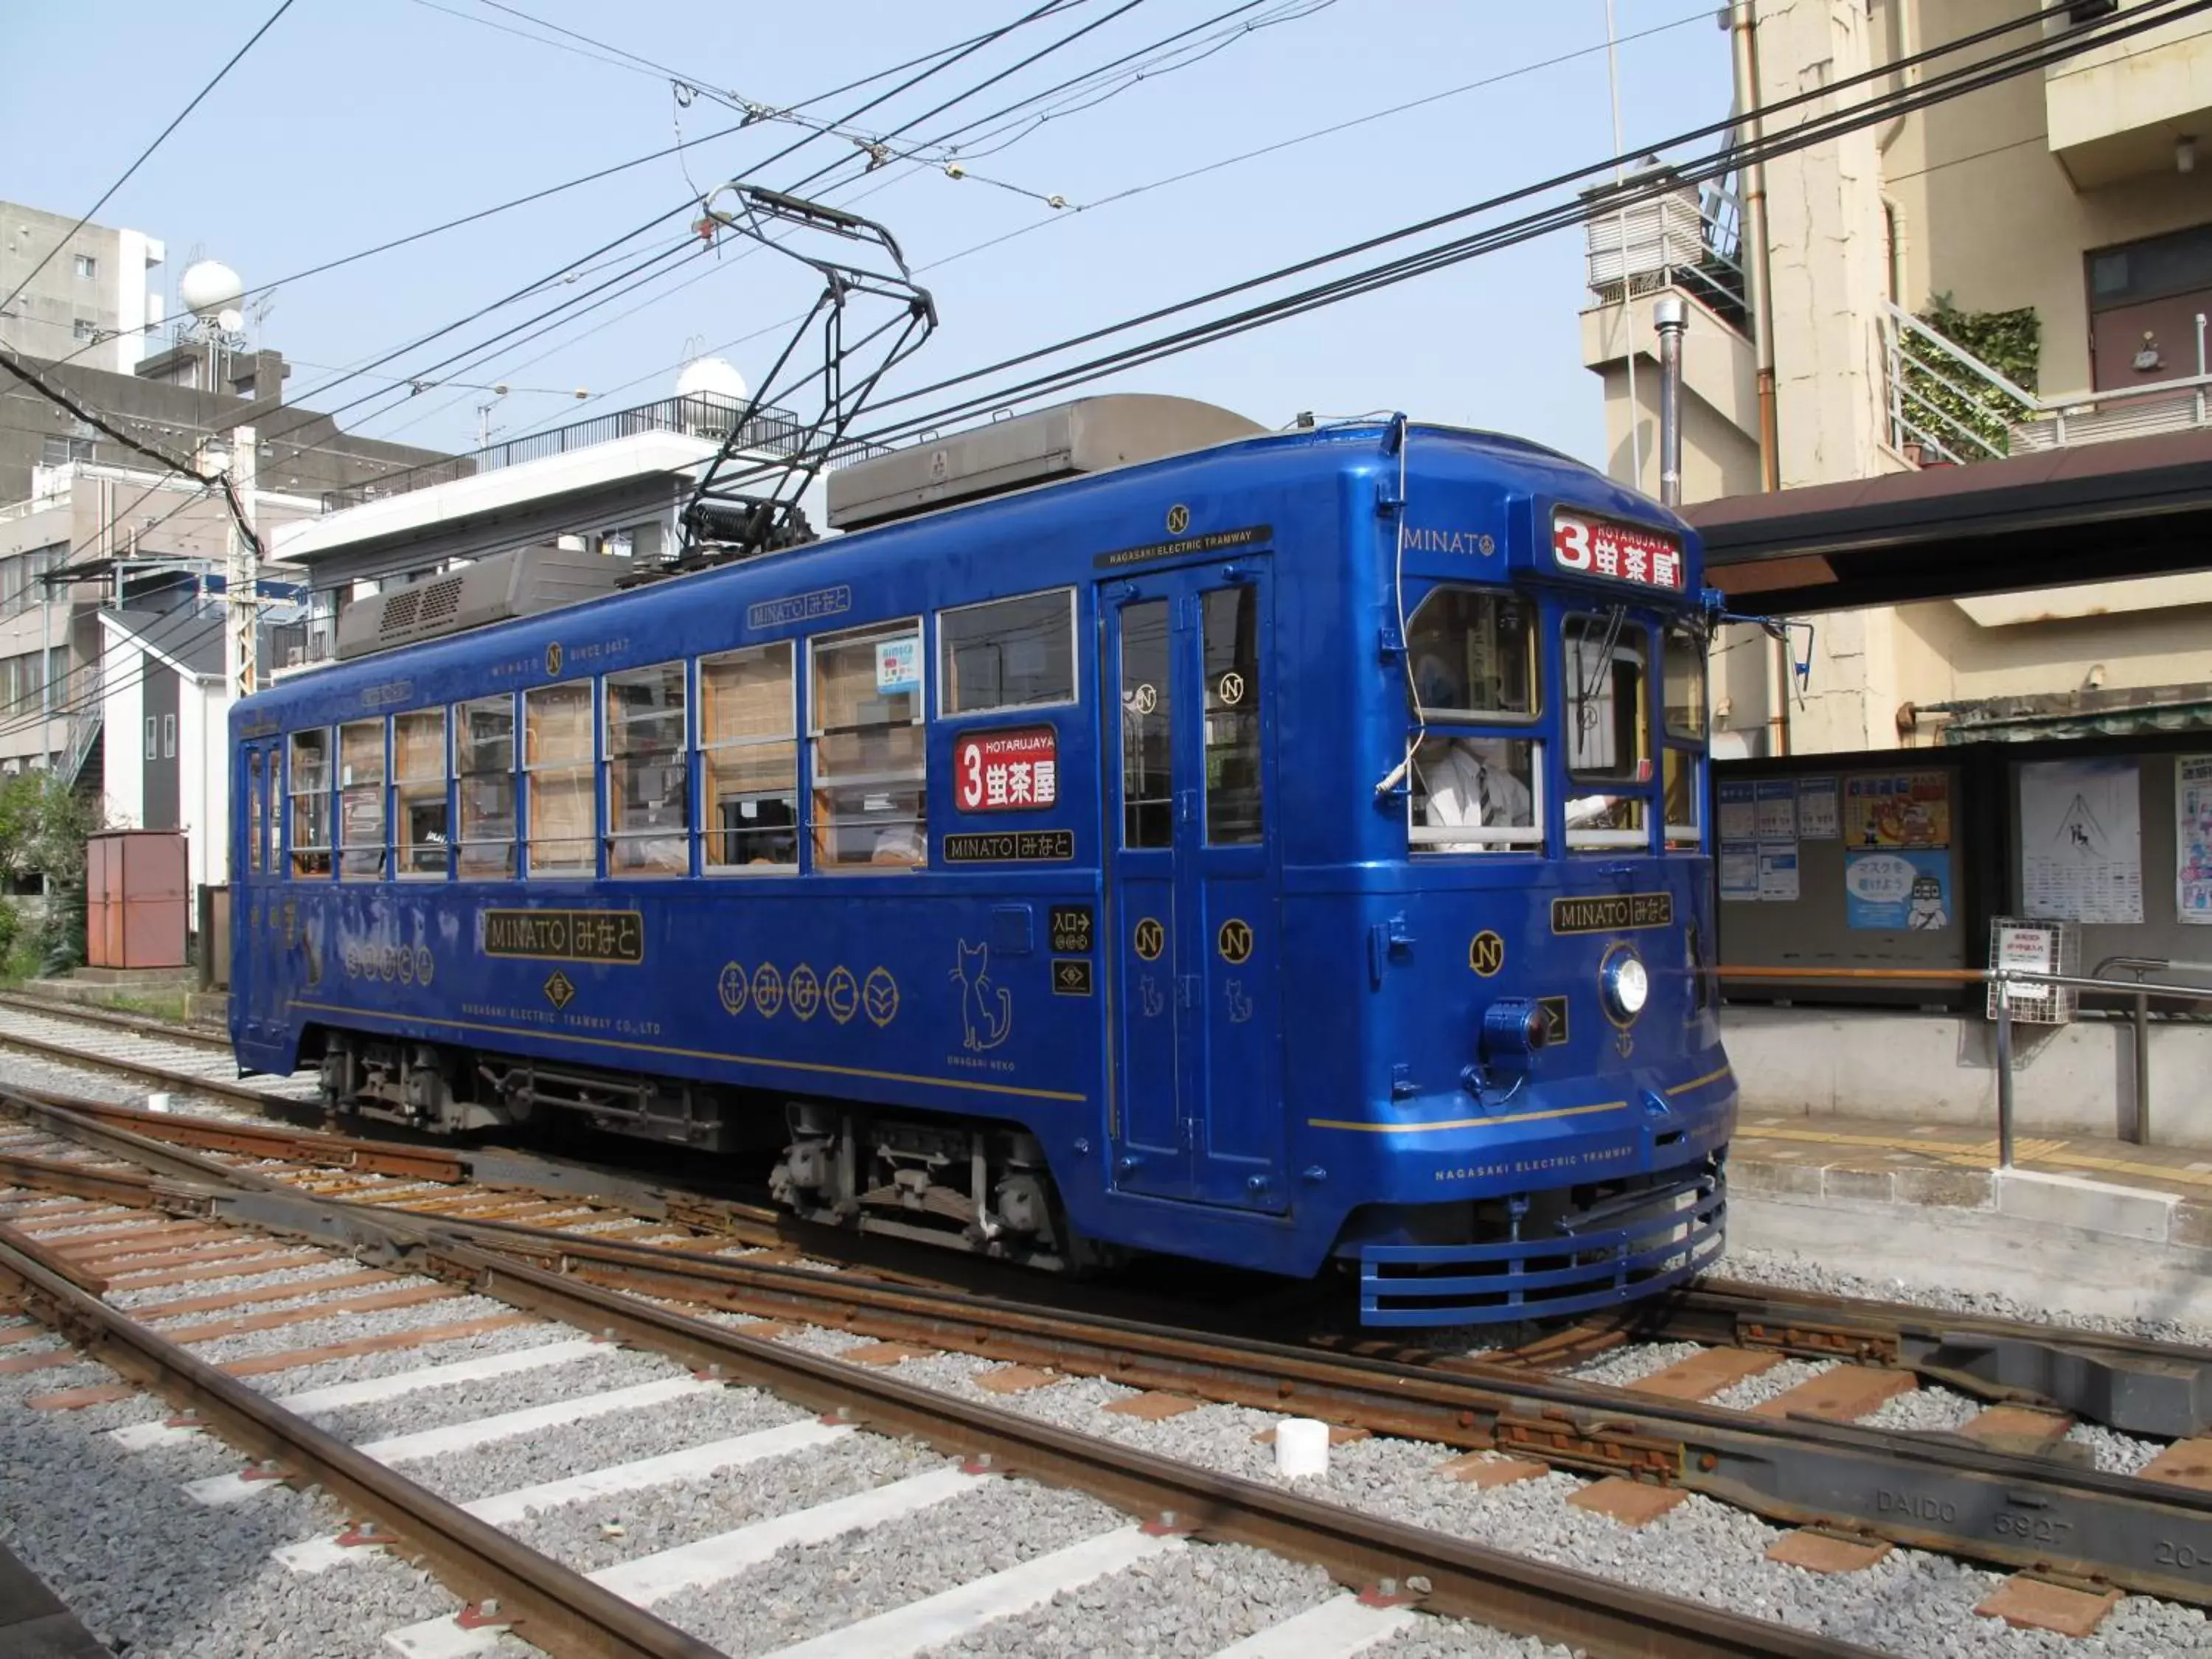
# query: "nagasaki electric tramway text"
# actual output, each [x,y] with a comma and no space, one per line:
[1287,853]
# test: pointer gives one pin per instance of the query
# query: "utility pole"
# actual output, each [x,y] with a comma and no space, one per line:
[245,577]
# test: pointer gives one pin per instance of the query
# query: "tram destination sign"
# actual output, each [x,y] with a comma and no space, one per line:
[1613,913]
[1011,847]
[614,938]
[1588,545]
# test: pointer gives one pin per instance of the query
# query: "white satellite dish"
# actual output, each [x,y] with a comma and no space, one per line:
[230,322]
[711,377]
[210,289]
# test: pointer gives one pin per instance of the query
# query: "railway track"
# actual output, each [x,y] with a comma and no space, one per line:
[2007,1495]
[141,1255]
[2070,1455]
[191,1065]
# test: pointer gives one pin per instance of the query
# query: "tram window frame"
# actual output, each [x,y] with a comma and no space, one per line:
[901,767]
[419,782]
[629,755]
[257,819]
[949,650]
[362,800]
[1682,757]
[309,860]
[468,746]
[747,758]
[1485,735]
[1232,754]
[1621,819]
[569,777]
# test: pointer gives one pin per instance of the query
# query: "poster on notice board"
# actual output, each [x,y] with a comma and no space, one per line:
[1739,871]
[2192,838]
[1817,819]
[1739,812]
[2081,840]
[1897,809]
[1905,891]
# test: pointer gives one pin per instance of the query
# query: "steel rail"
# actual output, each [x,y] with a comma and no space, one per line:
[555,1607]
[2138,1387]
[165,1030]
[149,1072]
[1443,1574]
[1923,1490]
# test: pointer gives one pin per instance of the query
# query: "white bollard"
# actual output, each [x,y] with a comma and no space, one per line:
[157,1102]
[1301,1447]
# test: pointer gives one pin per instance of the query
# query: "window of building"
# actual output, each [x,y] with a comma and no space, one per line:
[871,801]
[153,731]
[88,267]
[57,679]
[60,451]
[1473,656]
[418,792]
[1010,653]
[257,805]
[1684,717]
[1607,730]
[169,737]
[361,801]
[84,329]
[749,759]
[483,762]
[556,754]
[648,785]
[309,779]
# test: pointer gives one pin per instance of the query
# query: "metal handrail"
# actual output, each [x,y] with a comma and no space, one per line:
[2140,988]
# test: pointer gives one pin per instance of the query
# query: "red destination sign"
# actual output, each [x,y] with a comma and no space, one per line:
[1008,771]
[1591,546]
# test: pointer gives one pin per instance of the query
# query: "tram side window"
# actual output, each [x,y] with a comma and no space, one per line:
[1608,723]
[483,762]
[1682,784]
[648,784]
[1009,653]
[1147,727]
[1234,813]
[557,754]
[749,759]
[418,792]
[871,797]
[256,808]
[361,801]
[309,778]
[1474,663]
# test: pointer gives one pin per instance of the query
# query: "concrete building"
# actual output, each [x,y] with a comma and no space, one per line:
[2071,206]
[101,290]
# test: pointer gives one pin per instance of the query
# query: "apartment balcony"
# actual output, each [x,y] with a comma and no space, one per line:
[2126,110]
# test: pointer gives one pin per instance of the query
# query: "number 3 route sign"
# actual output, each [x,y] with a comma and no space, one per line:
[1008,771]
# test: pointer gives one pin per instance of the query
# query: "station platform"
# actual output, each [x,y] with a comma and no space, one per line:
[2087,1224]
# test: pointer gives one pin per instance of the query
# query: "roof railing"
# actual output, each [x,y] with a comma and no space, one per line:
[772,431]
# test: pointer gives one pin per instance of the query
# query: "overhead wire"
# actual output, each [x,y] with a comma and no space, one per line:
[159,138]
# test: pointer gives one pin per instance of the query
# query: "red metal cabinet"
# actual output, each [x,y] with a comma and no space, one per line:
[136,899]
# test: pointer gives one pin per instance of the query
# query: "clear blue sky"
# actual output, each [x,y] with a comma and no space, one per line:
[357,120]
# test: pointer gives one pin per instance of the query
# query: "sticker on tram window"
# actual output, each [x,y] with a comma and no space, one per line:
[1006,771]
[1591,546]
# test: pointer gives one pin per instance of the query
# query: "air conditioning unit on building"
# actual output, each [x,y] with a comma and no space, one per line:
[1646,240]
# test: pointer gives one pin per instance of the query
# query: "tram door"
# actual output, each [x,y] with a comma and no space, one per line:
[1188,748]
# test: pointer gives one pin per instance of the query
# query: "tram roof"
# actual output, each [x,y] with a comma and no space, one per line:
[2101,512]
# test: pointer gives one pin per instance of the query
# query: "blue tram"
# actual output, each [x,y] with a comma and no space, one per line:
[1147,834]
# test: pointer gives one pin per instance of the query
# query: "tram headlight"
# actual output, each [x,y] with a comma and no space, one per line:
[1626,985]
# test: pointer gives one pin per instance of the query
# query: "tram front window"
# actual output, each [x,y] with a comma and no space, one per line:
[1607,731]
[1473,656]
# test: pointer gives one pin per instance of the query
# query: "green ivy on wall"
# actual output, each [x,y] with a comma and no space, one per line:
[2010,341]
